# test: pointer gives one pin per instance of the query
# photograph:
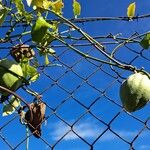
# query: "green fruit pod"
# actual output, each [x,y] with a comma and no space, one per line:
[135,92]
[10,73]
[39,29]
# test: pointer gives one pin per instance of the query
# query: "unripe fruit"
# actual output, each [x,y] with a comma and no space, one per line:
[39,29]
[10,73]
[135,92]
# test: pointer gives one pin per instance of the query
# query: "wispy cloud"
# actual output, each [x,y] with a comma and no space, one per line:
[109,136]
[144,147]
[88,130]
[85,130]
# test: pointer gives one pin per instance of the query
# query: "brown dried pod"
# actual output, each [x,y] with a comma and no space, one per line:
[21,51]
[34,117]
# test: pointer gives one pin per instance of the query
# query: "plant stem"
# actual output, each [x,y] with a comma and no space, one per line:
[95,43]
[27,140]
[13,93]
[84,54]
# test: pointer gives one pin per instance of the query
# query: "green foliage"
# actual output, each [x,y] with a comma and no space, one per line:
[13,75]
[10,73]
[76,8]
[21,11]
[3,13]
[51,51]
[46,53]
[57,6]
[131,10]
[39,3]
[39,29]
[145,42]
[46,59]
[29,72]
[10,108]
[40,32]
[20,6]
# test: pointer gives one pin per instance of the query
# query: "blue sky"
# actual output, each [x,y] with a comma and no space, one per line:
[87,127]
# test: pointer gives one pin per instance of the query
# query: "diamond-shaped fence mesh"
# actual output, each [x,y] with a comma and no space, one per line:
[81,93]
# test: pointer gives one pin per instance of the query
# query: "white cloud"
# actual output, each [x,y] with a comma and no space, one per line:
[88,130]
[58,130]
[109,136]
[144,147]
[85,130]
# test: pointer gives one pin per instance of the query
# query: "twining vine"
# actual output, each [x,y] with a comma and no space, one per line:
[22,70]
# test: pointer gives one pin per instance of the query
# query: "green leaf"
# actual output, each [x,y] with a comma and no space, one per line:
[51,51]
[76,8]
[35,77]
[32,73]
[24,68]
[10,108]
[15,102]
[3,13]
[10,75]
[39,29]
[46,59]
[57,6]
[131,10]
[145,42]
[20,7]
[48,38]
[39,4]
[29,72]
[47,4]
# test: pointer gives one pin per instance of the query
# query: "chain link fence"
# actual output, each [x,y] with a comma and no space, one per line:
[81,93]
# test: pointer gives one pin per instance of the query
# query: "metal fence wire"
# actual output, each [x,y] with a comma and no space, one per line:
[81,93]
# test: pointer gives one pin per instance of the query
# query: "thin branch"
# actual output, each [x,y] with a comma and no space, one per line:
[13,93]
[85,20]
[87,56]
[95,43]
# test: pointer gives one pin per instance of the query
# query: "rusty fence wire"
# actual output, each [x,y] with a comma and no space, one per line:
[83,107]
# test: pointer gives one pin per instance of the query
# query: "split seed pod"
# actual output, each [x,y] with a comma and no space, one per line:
[21,51]
[34,117]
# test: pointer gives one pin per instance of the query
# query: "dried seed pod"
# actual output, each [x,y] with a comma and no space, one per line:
[21,51]
[34,117]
